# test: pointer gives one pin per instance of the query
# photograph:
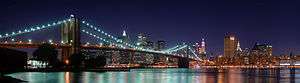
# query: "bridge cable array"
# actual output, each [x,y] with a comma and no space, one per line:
[33,29]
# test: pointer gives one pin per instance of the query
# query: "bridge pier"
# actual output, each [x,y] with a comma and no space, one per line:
[183,62]
[131,58]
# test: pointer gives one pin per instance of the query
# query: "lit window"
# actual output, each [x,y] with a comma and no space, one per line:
[231,38]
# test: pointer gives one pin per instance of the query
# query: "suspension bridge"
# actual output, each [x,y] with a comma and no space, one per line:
[71,30]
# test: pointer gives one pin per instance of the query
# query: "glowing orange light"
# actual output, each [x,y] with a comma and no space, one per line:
[67,62]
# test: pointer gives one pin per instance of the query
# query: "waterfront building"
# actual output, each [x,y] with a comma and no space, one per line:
[261,54]
[230,45]
[262,49]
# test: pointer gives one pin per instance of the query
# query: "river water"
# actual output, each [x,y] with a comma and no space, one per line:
[166,76]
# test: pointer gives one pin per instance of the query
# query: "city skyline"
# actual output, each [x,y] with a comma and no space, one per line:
[149,41]
[251,21]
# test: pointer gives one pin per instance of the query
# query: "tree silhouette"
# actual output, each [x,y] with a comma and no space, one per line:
[76,60]
[47,53]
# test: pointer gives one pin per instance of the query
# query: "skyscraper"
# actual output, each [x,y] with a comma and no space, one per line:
[261,54]
[124,58]
[202,48]
[124,37]
[161,45]
[238,48]
[142,40]
[262,49]
[124,33]
[202,51]
[230,45]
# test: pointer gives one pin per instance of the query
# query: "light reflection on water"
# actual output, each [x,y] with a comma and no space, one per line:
[166,76]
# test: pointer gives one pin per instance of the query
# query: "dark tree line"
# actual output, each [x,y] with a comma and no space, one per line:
[48,53]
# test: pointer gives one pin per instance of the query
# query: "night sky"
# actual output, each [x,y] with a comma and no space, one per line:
[274,22]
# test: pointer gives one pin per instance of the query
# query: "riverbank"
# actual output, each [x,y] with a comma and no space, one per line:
[8,79]
[128,69]
[84,69]
[76,70]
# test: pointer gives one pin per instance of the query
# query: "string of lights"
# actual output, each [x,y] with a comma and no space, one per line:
[182,47]
[108,35]
[32,29]
[172,48]
[194,53]
[102,39]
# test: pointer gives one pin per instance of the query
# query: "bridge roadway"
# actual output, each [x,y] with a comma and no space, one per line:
[86,47]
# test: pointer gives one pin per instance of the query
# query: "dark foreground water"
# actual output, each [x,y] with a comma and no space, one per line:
[166,76]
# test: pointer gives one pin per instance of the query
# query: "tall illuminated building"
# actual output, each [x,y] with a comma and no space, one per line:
[202,48]
[238,52]
[124,37]
[230,45]
[161,45]
[124,33]
[142,40]
[123,57]
[269,50]
[238,47]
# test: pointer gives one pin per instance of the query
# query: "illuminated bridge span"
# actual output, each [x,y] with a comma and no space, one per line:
[70,43]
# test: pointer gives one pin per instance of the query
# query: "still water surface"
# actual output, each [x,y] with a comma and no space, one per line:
[166,76]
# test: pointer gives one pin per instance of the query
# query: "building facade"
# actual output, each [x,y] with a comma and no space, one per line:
[230,45]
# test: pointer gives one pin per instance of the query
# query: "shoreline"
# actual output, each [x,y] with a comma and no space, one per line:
[9,79]
[126,69]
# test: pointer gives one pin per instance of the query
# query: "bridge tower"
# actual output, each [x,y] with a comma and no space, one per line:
[70,35]
[183,62]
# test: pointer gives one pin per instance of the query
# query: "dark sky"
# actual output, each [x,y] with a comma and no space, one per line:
[270,21]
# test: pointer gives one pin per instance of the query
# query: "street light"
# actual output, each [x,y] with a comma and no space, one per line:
[62,42]
[87,43]
[29,41]
[50,41]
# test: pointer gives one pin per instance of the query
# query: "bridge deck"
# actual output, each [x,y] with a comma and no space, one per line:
[84,47]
